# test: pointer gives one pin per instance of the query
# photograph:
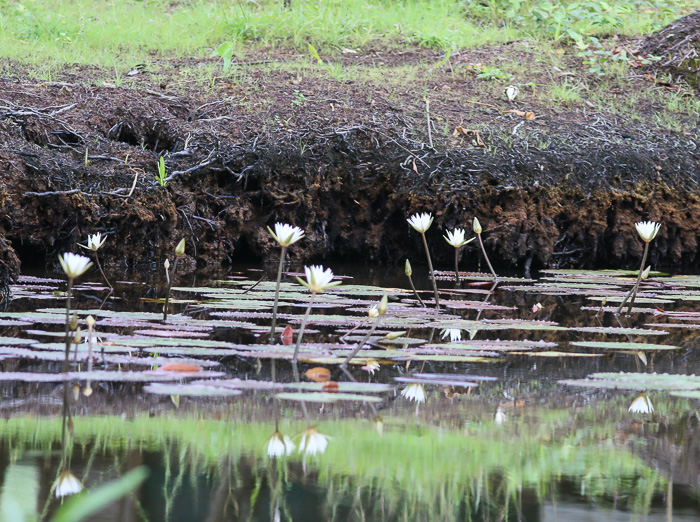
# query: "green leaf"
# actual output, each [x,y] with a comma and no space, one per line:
[82,506]
[314,54]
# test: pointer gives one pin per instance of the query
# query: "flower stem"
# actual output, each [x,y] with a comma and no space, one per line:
[483,250]
[359,346]
[302,328]
[457,265]
[69,339]
[170,283]
[410,280]
[432,273]
[636,284]
[97,260]
[277,295]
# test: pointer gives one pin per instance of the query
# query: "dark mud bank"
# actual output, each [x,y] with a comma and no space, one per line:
[561,190]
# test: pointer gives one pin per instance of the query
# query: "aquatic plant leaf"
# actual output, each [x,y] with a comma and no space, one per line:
[558,354]
[351,387]
[242,384]
[637,381]
[687,394]
[617,330]
[104,375]
[440,381]
[15,341]
[611,345]
[193,390]
[318,374]
[447,358]
[325,397]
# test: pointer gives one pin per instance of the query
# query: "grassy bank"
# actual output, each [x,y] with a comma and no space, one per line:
[107,33]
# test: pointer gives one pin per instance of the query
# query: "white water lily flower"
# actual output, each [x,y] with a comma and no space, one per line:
[455,334]
[312,442]
[318,279]
[371,366]
[279,445]
[414,392]
[456,238]
[373,311]
[500,416]
[286,234]
[94,242]
[641,404]
[74,265]
[647,230]
[421,222]
[67,484]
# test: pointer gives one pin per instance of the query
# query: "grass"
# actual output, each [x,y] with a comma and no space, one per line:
[110,33]
[410,465]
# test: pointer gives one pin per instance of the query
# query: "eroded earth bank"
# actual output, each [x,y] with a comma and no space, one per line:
[347,159]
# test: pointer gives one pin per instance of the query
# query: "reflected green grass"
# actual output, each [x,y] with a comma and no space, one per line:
[442,471]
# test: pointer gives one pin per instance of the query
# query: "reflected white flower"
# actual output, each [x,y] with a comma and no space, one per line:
[647,230]
[67,484]
[455,334]
[279,445]
[641,404]
[500,416]
[74,265]
[312,442]
[421,222]
[414,392]
[318,279]
[456,237]
[94,242]
[286,234]
[371,366]
[379,425]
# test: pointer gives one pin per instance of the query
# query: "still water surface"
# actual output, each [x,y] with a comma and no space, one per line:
[516,444]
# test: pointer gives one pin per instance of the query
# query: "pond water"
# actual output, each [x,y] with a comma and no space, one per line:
[510,402]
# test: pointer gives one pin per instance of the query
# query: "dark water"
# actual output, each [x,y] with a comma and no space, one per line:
[520,447]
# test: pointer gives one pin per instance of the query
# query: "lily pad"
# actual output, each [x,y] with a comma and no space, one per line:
[325,397]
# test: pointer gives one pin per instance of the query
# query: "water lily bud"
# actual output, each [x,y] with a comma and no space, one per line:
[383,305]
[74,322]
[408,269]
[90,321]
[476,226]
[180,248]
[87,391]
[167,264]
[645,274]
[76,392]
[78,337]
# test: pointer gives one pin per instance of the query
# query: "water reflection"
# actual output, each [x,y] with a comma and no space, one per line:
[453,466]
[516,446]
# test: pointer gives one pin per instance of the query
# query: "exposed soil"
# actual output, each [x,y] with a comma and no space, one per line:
[348,160]
[678,47]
